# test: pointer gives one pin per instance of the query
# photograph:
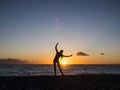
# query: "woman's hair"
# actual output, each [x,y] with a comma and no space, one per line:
[61,51]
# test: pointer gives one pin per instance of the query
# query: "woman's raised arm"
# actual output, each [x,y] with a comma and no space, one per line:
[56,47]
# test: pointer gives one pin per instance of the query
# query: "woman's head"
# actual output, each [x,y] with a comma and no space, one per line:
[61,51]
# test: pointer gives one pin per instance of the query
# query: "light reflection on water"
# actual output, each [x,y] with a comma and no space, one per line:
[33,70]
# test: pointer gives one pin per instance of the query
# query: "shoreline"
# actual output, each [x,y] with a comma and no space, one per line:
[67,82]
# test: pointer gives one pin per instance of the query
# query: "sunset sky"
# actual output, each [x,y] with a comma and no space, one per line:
[29,30]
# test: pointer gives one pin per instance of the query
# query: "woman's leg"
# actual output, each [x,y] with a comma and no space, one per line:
[60,68]
[55,68]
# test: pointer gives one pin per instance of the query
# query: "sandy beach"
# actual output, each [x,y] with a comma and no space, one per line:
[71,82]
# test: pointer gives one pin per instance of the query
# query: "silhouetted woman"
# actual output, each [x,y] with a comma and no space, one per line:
[56,59]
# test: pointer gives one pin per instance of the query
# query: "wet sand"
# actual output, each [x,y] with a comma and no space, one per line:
[69,82]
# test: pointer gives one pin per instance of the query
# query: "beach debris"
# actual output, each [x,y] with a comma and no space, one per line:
[82,54]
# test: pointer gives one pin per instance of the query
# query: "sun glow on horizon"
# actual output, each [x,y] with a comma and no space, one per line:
[64,62]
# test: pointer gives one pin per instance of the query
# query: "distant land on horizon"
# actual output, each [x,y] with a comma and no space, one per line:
[12,61]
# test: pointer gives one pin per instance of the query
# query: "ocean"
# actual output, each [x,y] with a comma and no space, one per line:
[41,70]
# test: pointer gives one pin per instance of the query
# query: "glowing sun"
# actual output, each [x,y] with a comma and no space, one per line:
[64,62]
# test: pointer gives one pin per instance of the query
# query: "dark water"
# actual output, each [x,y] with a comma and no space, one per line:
[38,70]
